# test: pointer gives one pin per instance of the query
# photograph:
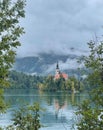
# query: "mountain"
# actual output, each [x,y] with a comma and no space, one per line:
[44,63]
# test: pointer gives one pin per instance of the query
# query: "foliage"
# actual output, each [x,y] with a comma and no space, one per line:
[10,31]
[91,111]
[26,118]
[45,83]
[1,128]
[3,105]
[50,84]
[91,119]
[22,80]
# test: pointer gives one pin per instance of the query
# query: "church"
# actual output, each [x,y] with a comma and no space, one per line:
[59,74]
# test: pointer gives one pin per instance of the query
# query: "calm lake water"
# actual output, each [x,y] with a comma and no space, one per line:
[60,107]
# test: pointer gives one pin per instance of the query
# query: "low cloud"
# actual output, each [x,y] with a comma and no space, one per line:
[68,65]
[57,25]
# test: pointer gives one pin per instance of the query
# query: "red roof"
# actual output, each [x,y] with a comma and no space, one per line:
[57,76]
[65,76]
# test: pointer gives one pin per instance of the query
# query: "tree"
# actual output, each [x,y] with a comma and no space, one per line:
[91,110]
[10,31]
[3,105]
[26,118]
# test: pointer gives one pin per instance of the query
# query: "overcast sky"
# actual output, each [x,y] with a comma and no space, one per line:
[57,25]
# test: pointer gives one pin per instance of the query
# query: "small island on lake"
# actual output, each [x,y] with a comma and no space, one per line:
[60,81]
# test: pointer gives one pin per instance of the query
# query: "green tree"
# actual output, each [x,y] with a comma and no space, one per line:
[10,31]
[3,105]
[91,110]
[26,118]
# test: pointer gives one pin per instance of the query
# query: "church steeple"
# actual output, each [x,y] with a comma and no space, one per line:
[57,69]
[59,74]
[57,66]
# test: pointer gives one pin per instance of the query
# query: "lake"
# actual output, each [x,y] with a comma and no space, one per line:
[60,107]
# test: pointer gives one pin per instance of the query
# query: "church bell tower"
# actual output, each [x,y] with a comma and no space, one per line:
[57,69]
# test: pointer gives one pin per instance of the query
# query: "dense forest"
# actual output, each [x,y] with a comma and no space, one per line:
[45,83]
[22,80]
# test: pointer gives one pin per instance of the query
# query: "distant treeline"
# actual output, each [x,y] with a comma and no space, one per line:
[22,80]
[45,83]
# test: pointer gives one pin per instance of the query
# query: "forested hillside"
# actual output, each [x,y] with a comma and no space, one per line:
[45,83]
[21,80]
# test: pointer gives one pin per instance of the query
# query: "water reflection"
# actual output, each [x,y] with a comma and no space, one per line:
[60,106]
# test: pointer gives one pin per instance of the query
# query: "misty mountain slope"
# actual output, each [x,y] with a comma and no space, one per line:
[44,64]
